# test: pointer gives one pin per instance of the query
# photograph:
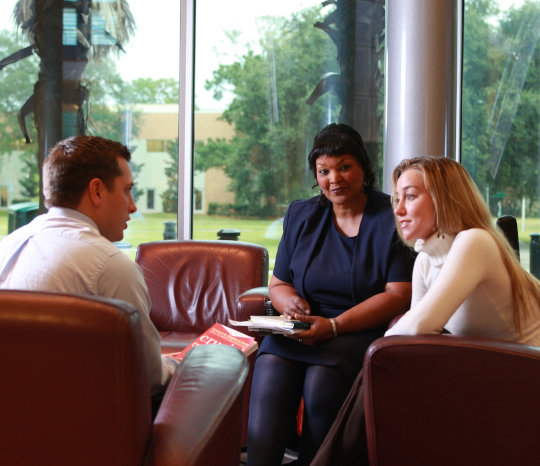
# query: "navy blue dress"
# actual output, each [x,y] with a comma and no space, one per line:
[334,272]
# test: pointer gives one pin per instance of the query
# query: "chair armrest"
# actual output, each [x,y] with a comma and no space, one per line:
[482,393]
[200,418]
[252,302]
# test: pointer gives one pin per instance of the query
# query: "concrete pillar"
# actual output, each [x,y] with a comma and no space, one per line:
[423,76]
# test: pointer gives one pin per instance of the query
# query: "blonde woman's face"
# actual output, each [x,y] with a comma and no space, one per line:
[413,207]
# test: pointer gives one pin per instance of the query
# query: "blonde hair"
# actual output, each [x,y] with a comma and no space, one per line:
[460,206]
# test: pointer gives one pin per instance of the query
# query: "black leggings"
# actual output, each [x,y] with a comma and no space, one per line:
[278,385]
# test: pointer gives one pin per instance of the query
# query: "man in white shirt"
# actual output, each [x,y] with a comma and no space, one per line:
[87,185]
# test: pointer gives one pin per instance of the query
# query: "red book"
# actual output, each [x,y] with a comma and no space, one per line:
[219,334]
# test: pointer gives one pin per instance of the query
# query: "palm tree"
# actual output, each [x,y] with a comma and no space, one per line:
[66,35]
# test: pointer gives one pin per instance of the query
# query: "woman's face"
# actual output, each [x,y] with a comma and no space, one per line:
[413,206]
[341,178]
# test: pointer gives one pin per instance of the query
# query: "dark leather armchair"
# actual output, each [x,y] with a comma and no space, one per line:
[451,400]
[194,284]
[74,390]
[256,302]
[508,226]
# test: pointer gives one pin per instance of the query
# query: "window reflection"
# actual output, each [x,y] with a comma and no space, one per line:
[301,66]
[96,68]
[501,102]
[266,80]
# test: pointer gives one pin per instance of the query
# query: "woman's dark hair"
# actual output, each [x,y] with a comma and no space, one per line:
[74,162]
[340,139]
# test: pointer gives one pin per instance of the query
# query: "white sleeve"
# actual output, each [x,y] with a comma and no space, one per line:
[468,262]
[123,279]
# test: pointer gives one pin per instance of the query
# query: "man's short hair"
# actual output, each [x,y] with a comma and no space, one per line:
[73,162]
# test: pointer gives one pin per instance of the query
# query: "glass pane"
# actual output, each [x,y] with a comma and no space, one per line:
[118,79]
[268,78]
[501,104]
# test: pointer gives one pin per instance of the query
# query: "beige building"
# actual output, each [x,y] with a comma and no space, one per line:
[158,128]
[157,131]
[11,167]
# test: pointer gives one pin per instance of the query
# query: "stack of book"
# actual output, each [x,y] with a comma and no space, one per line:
[272,325]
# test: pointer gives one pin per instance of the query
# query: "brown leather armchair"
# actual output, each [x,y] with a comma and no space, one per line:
[256,302]
[451,400]
[75,391]
[194,284]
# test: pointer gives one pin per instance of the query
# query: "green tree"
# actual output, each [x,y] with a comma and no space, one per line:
[152,91]
[170,196]
[112,101]
[16,83]
[213,153]
[266,159]
[112,114]
[476,88]
[517,173]
[501,101]
[30,175]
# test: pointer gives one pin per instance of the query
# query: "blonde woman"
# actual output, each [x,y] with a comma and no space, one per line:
[466,280]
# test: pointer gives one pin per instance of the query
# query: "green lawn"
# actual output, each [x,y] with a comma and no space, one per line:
[150,227]
[532,225]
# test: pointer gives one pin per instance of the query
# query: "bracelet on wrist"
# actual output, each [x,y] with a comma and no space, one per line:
[334,329]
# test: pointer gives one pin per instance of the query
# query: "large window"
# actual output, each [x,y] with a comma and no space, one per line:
[117,77]
[501,108]
[267,79]
[267,76]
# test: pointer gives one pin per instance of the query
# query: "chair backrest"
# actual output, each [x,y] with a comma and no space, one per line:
[74,390]
[449,400]
[508,225]
[194,284]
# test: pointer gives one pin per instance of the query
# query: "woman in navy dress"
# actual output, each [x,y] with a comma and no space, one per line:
[341,267]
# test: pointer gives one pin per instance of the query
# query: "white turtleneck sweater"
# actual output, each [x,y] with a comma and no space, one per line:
[461,284]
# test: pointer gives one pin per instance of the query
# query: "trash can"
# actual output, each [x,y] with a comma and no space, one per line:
[20,214]
[170,229]
[229,233]
[534,252]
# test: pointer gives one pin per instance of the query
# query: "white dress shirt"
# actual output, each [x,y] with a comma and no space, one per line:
[63,251]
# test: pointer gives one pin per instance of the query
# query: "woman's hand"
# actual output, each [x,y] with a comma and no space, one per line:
[296,307]
[286,299]
[320,330]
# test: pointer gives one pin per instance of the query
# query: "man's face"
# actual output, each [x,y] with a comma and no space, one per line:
[118,204]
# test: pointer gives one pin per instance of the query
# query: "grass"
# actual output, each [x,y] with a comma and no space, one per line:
[532,225]
[150,227]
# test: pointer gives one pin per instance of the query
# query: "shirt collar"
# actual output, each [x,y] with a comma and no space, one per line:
[71,213]
[436,247]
